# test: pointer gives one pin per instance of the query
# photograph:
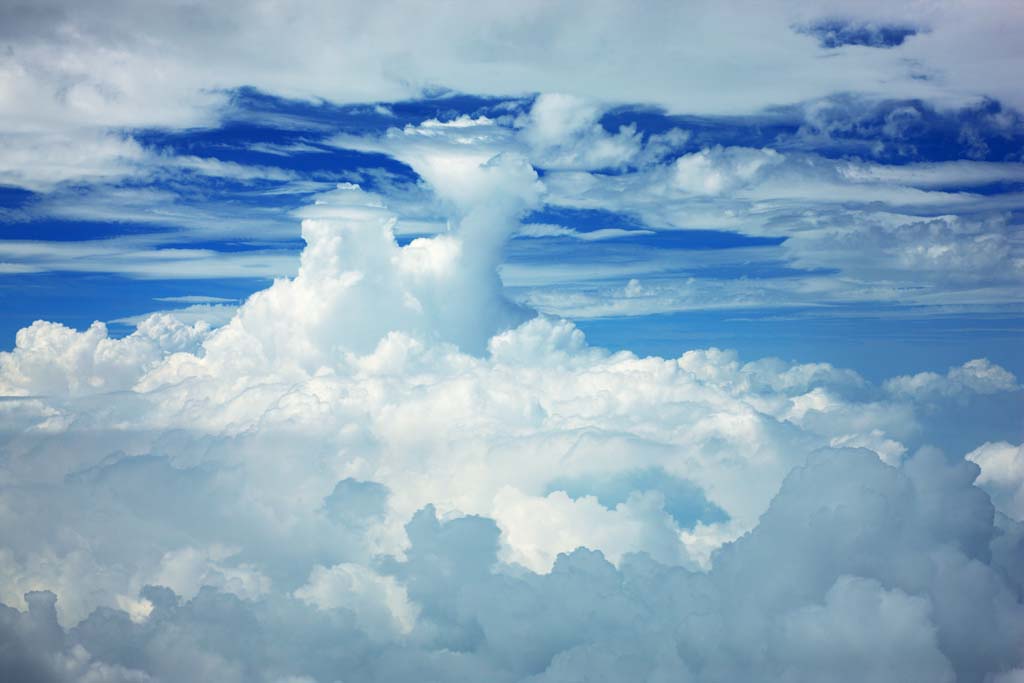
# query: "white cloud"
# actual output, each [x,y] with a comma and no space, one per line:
[867,626]
[142,257]
[196,299]
[286,150]
[49,358]
[84,75]
[40,161]
[975,376]
[159,68]
[563,133]
[216,168]
[1002,475]
[885,242]
[186,570]
[358,368]
[538,529]
[718,170]
[363,473]
[948,174]
[549,230]
[213,315]
[378,602]
[889,450]
[877,580]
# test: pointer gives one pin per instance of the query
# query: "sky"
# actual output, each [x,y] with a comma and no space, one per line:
[537,341]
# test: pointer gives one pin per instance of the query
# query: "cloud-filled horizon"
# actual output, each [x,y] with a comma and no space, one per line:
[528,342]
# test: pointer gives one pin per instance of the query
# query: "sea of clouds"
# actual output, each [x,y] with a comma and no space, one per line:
[382,469]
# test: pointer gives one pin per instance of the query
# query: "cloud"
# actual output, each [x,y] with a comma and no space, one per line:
[213,315]
[1002,475]
[362,337]
[41,161]
[682,500]
[159,69]
[549,230]
[216,168]
[49,358]
[853,233]
[355,284]
[564,133]
[379,603]
[949,174]
[145,258]
[900,130]
[718,170]
[305,476]
[286,150]
[927,234]
[888,650]
[732,180]
[889,450]
[195,299]
[186,570]
[975,376]
[382,468]
[89,81]
[847,606]
[940,256]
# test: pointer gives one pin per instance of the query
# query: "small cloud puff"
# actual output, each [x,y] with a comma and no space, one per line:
[1002,475]
[978,376]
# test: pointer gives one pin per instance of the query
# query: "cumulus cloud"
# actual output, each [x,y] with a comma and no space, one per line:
[384,469]
[379,603]
[977,376]
[1002,475]
[49,358]
[876,584]
[354,460]
[564,133]
[718,170]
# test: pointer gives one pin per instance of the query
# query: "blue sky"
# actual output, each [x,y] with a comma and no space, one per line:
[534,342]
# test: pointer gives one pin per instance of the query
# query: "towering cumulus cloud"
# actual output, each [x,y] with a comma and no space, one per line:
[383,470]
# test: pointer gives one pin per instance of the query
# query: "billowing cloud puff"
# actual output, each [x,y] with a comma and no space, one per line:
[49,358]
[563,133]
[975,376]
[879,584]
[718,170]
[1002,475]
